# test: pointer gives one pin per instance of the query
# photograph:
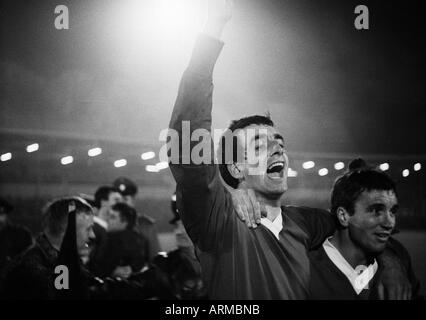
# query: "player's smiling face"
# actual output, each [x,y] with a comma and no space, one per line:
[373,220]
[265,163]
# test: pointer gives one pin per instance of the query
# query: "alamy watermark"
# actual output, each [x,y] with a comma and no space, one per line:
[197,146]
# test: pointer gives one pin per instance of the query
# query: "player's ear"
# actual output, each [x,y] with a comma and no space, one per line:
[235,170]
[343,216]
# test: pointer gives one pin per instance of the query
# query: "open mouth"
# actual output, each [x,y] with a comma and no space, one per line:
[275,170]
[382,236]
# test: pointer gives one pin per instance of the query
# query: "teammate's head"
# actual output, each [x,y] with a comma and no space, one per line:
[364,202]
[121,217]
[106,196]
[252,155]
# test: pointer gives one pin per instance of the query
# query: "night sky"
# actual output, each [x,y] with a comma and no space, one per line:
[328,86]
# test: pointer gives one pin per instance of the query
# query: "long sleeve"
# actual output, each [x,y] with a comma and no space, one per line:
[202,200]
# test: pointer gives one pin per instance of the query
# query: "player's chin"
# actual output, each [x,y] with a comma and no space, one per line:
[276,186]
[377,247]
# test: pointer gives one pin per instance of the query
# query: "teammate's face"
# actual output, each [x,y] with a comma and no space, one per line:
[113,198]
[115,223]
[265,160]
[373,220]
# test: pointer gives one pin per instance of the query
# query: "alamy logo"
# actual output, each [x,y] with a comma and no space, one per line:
[62,280]
[197,146]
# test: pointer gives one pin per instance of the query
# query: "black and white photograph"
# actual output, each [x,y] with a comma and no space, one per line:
[212,154]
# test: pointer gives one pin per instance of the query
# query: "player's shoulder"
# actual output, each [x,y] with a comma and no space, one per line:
[302,210]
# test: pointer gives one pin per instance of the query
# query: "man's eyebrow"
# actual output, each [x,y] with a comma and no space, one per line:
[276,136]
[279,136]
[376,205]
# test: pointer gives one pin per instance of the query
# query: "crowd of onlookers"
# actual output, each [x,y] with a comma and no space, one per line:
[109,249]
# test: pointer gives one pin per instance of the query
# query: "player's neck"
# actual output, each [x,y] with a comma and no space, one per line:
[348,249]
[272,206]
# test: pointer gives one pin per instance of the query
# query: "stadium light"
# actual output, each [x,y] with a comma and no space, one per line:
[120,163]
[291,173]
[417,166]
[384,166]
[339,165]
[6,156]
[148,155]
[94,152]
[151,168]
[67,160]
[405,173]
[162,165]
[308,165]
[32,147]
[323,172]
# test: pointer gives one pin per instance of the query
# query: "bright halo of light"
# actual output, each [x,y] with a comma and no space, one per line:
[120,163]
[148,155]
[67,160]
[339,165]
[6,156]
[417,166]
[94,152]
[323,172]
[162,165]
[32,147]
[308,165]
[151,168]
[405,173]
[384,166]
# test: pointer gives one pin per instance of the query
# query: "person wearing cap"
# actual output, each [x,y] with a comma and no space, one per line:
[144,223]
[32,274]
[64,241]
[364,203]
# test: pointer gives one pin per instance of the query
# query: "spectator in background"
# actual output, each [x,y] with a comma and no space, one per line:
[145,225]
[187,268]
[32,274]
[14,239]
[125,250]
[105,198]
[67,230]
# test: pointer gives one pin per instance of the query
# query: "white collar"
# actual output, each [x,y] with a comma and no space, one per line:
[358,277]
[101,222]
[274,226]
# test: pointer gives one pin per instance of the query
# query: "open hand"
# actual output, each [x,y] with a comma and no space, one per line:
[247,207]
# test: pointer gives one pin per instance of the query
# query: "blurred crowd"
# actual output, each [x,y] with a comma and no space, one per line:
[96,247]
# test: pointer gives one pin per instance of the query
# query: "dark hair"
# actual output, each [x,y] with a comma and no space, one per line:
[102,194]
[359,178]
[234,126]
[127,213]
[55,213]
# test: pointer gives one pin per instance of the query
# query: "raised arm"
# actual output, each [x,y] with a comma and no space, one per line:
[201,198]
